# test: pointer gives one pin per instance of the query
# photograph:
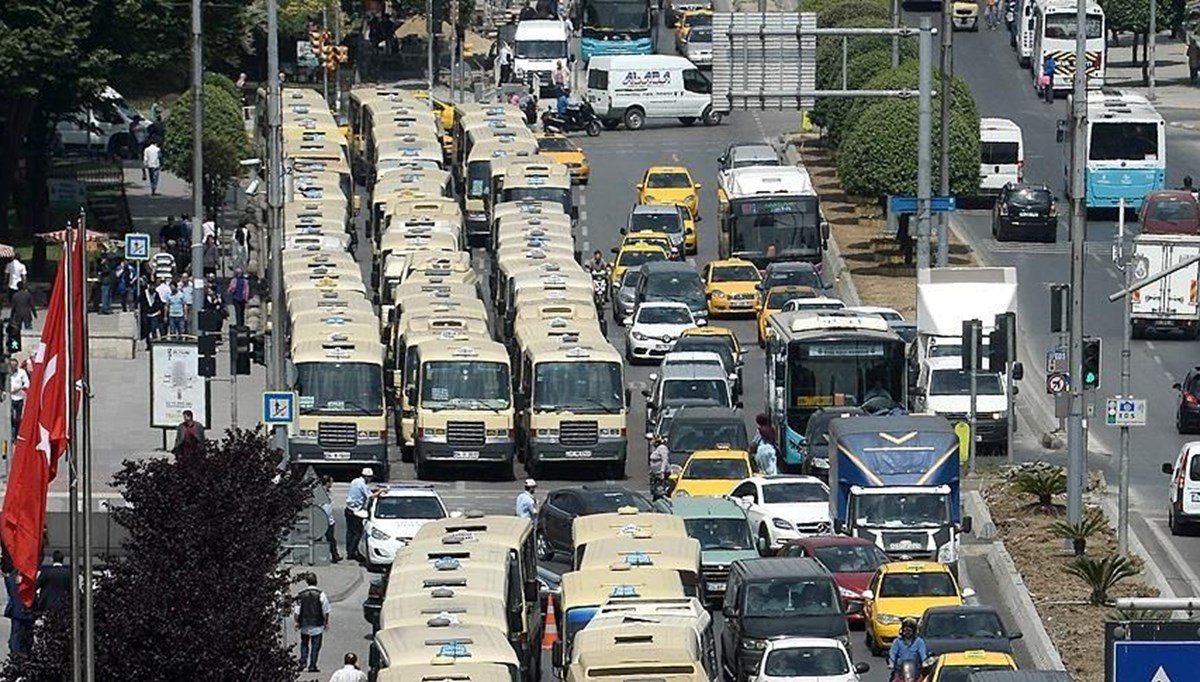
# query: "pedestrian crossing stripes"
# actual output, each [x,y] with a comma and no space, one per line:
[1090,248]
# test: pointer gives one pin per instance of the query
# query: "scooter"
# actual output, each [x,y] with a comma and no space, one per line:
[910,671]
[577,117]
[600,296]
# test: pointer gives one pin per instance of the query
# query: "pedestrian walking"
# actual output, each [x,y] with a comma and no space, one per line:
[150,313]
[349,672]
[176,309]
[311,612]
[765,459]
[211,256]
[20,635]
[356,510]
[527,506]
[504,60]
[15,272]
[660,467]
[152,163]
[108,282]
[18,386]
[53,585]
[562,79]
[23,311]
[189,301]
[1046,80]
[239,294]
[189,435]
[327,507]
[241,247]
[213,303]
[991,14]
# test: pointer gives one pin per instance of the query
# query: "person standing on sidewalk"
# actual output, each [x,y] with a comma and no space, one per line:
[211,257]
[349,672]
[108,282]
[150,310]
[20,634]
[152,163]
[18,386]
[15,272]
[356,511]
[327,507]
[23,312]
[176,310]
[312,618]
[239,294]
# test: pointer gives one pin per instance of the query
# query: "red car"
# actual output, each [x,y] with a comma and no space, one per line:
[852,561]
[1173,211]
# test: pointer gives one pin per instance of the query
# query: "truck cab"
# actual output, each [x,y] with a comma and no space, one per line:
[944,388]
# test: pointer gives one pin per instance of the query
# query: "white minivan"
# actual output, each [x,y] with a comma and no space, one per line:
[105,126]
[1183,510]
[538,46]
[1001,154]
[632,88]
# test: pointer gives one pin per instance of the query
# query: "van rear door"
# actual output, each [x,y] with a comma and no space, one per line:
[1002,159]
[598,93]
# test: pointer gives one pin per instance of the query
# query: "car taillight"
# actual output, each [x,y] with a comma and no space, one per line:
[1020,171]
[1053,209]
[1190,399]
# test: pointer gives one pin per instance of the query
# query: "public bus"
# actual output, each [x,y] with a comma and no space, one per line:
[1126,147]
[616,27]
[1054,24]
[826,359]
[769,214]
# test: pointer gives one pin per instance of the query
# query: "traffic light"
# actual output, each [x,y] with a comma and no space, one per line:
[207,363]
[329,57]
[1091,363]
[315,37]
[436,16]
[1002,342]
[12,338]
[258,349]
[239,349]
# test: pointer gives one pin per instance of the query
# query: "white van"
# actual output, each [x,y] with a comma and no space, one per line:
[105,126]
[538,46]
[1001,154]
[632,88]
[1183,510]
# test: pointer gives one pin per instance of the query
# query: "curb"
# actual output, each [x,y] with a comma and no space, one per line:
[973,504]
[1149,566]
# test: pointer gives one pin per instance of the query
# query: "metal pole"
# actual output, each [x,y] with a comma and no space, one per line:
[924,160]
[233,400]
[974,374]
[337,75]
[89,635]
[77,655]
[1010,410]
[1126,306]
[324,69]
[895,38]
[947,71]
[429,43]
[274,172]
[1151,43]
[197,167]
[1076,450]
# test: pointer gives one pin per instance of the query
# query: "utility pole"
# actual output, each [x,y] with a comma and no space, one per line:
[337,75]
[430,19]
[947,72]
[324,65]
[924,137]
[197,166]
[274,177]
[1151,43]
[1126,264]
[895,38]
[1076,449]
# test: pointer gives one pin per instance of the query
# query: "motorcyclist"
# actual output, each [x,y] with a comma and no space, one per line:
[907,647]
[660,467]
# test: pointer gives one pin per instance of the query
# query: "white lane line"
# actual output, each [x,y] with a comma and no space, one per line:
[674,157]
[1156,358]
[582,199]
[1150,345]
[587,247]
[583,228]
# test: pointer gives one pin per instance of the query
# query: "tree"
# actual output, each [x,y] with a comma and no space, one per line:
[906,76]
[1133,16]
[224,141]
[199,594]
[859,70]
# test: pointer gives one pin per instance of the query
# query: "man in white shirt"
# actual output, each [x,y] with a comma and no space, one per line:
[18,384]
[15,272]
[152,162]
[350,671]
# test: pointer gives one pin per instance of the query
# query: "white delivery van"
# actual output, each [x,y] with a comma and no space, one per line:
[1183,508]
[1172,302]
[632,88]
[538,46]
[104,126]
[1002,154]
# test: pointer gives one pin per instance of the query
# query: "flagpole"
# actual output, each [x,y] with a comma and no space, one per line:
[85,447]
[72,467]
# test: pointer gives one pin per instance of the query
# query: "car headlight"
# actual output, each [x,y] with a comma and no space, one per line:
[848,594]
[377,534]
[888,619]
[947,553]
[651,197]
[682,493]
[719,294]
[753,644]
[638,336]
[782,524]
[997,415]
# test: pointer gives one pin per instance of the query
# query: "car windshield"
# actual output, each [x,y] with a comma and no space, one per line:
[962,673]
[697,20]
[1031,198]
[958,382]
[700,35]
[400,507]
[850,558]
[735,273]
[467,384]
[675,286]
[339,387]
[555,144]
[717,533]
[631,258]
[711,343]
[794,492]
[604,501]
[578,386]
[777,299]
[805,277]
[1173,211]
[724,469]
[629,277]
[926,584]
[962,625]
[806,662]
[541,49]
[664,315]
[670,180]
[690,436]
[700,391]
[787,597]
[656,221]
[801,304]
[892,510]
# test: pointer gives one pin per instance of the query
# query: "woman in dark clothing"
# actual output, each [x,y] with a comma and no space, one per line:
[150,313]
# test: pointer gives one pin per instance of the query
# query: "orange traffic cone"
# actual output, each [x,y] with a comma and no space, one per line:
[550,631]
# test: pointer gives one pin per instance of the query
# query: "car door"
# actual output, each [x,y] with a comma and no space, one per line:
[869,604]
[754,512]
[696,93]
[1191,482]
[729,633]
[569,508]
[551,518]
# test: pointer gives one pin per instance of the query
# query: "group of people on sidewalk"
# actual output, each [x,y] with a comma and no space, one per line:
[167,299]
[53,594]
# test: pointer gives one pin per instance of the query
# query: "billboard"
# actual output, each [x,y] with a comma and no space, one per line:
[176,384]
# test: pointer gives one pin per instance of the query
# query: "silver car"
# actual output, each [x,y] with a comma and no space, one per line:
[623,298]
[697,46]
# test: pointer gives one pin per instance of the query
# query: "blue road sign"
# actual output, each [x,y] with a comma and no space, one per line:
[279,407]
[908,204]
[137,246]
[1145,661]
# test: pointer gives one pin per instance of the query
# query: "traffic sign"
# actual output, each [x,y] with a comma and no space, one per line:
[279,407]
[1056,361]
[1154,661]
[908,204]
[1058,382]
[137,246]
[1123,411]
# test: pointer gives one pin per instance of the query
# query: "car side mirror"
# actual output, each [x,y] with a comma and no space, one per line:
[1018,371]
[1177,386]
[824,230]
[698,185]
[1167,468]
[968,593]
[639,187]
[868,594]
[739,405]
[614,250]
[862,668]
[729,611]
[649,436]
[967,524]
[702,322]
[410,392]
[854,607]
[626,321]
[746,500]
[917,391]
[628,397]
[653,376]
[574,213]
[624,230]
[1016,390]
[839,527]
[646,393]
[1015,635]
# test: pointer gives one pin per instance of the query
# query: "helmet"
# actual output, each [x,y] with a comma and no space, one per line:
[908,623]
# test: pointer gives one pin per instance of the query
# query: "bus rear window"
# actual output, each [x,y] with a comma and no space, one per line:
[999,153]
[597,79]
[1123,141]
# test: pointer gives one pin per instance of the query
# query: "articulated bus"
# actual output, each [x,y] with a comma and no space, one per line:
[616,27]
[1054,31]
[827,359]
[1126,149]
[770,214]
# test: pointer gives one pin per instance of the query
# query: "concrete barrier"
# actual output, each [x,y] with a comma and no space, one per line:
[981,517]
[1017,600]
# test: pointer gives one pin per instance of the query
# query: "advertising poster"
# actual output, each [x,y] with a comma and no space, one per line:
[176,385]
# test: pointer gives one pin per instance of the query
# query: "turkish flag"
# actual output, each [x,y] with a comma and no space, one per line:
[44,433]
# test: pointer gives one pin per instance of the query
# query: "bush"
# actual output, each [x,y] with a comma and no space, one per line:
[1101,575]
[878,155]
[852,12]
[1041,482]
[905,76]
[224,141]
[829,50]
[1091,523]
[859,71]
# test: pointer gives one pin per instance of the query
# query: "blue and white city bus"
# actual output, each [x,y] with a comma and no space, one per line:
[1126,149]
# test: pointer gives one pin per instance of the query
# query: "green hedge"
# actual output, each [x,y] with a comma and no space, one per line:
[903,76]
[859,71]
[851,13]
[829,65]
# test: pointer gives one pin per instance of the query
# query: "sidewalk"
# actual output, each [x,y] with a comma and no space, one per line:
[1171,87]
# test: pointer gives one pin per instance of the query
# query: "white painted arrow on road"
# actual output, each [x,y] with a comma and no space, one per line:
[1160,676]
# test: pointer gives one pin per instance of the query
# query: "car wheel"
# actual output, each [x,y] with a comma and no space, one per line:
[610,124]
[635,118]
[544,551]
[628,355]
[875,649]
[710,117]
[998,233]
[764,540]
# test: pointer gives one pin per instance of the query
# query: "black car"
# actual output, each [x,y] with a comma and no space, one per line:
[1187,417]
[561,507]
[951,629]
[675,281]
[705,428]
[816,440]
[1025,211]
[791,274]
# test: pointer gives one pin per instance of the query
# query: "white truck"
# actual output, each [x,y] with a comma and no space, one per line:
[1171,302]
[946,297]
[538,46]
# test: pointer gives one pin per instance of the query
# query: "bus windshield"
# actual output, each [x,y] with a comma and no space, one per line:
[584,387]
[785,225]
[618,15]
[339,388]
[471,384]
[844,372]
[1123,140]
[1062,25]
[478,173]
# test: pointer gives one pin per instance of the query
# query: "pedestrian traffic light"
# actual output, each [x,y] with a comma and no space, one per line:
[329,57]
[258,349]
[315,38]
[1091,363]
[239,349]
[436,16]
[12,338]
[207,363]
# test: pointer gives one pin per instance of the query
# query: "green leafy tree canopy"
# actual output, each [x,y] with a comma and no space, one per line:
[224,141]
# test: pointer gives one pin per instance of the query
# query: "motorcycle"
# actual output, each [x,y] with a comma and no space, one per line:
[600,296]
[577,117]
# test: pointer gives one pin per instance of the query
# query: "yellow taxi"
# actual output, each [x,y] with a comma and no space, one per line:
[633,256]
[445,111]
[563,150]
[685,22]
[960,665]
[731,286]
[904,589]
[774,300]
[690,241]
[660,239]
[669,185]
[711,473]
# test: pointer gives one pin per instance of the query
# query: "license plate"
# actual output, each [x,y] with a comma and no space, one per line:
[337,455]
[742,304]
[716,587]
[578,454]
[466,454]
[1028,214]
[662,347]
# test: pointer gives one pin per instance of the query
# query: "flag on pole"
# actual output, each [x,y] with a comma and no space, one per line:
[44,433]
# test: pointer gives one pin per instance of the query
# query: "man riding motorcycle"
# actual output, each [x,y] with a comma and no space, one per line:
[600,269]
[907,647]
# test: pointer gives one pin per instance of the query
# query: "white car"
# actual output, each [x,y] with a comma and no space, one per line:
[782,508]
[815,304]
[394,517]
[654,327]
[888,314]
[811,659]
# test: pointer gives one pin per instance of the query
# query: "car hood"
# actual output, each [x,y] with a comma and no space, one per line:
[804,512]
[830,625]
[912,606]
[856,582]
[949,645]
[399,528]
[660,330]
[667,195]
[736,287]
[713,487]
[956,404]
[710,557]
